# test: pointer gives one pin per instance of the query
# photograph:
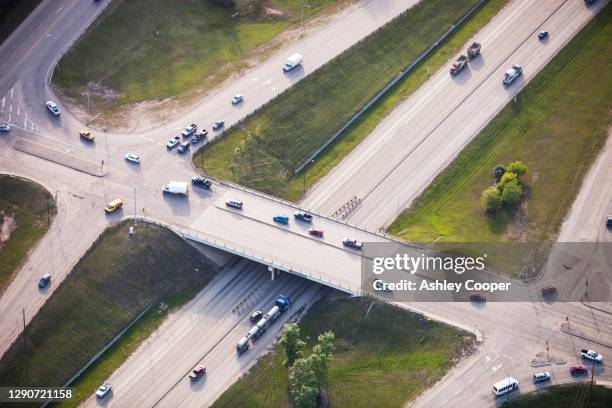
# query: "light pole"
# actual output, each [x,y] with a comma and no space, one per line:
[309,163]
[302,16]
[87,94]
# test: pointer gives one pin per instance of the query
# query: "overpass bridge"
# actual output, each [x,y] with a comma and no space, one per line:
[252,234]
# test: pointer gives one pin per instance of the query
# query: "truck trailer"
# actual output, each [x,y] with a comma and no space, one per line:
[281,304]
[176,187]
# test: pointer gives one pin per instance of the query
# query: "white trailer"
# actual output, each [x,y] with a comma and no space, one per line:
[176,187]
[292,62]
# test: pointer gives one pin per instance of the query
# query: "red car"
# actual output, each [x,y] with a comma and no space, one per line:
[578,369]
[316,232]
[197,373]
[548,290]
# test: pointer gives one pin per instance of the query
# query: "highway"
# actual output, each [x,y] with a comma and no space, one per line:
[425,133]
[512,334]
[587,219]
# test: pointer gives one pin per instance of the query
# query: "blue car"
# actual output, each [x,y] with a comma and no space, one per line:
[281,219]
[44,281]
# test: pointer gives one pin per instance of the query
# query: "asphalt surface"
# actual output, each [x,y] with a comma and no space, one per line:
[587,219]
[512,333]
[424,133]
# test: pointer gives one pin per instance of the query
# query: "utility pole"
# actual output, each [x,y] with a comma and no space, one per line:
[591,384]
[134,206]
[48,213]
[302,17]
[25,340]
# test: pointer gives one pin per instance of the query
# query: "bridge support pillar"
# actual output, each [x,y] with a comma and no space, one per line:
[272,271]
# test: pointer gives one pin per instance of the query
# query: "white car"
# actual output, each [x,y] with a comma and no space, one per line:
[237,99]
[234,203]
[541,377]
[103,390]
[173,142]
[53,108]
[5,127]
[132,158]
[591,355]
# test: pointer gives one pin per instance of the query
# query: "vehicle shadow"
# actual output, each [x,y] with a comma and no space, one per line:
[477,63]
[462,77]
[177,204]
[295,74]
[103,402]
[199,384]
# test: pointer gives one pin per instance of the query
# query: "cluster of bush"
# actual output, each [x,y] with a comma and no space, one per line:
[308,374]
[508,191]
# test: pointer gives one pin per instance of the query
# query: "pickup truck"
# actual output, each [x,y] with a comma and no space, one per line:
[473,50]
[591,355]
[512,75]
[352,243]
[459,64]
[189,130]
[303,216]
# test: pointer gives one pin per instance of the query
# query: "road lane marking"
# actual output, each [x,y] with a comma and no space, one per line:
[12,92]
[3,100]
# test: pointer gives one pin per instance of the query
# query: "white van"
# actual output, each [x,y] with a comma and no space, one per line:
[176,187]
[292,62]
[504,386]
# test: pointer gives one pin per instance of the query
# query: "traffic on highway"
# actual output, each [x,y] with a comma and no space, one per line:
[316,288]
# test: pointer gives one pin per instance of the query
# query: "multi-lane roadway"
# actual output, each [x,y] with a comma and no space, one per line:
[513,333]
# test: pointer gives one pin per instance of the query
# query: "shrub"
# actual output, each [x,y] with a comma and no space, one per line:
[518,168]
[491,199]
[512,194]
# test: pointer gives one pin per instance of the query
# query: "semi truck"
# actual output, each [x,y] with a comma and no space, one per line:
[282,303]
[292,62]
[176,187]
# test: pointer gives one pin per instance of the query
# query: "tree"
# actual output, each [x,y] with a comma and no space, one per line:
[512,194]
[304,385]
[491,199]
[518,168]
[498,172]
[506,178]
[310,373]
[291,343]
[326,343]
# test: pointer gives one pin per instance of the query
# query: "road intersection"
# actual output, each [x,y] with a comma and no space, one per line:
[510,339]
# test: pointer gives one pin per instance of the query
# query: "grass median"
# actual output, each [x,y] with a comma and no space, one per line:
[26,209]
[384,357]
[556,126]
[171,48]
[264,151]
[107,289]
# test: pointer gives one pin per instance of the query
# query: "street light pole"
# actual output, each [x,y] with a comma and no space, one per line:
[302,16]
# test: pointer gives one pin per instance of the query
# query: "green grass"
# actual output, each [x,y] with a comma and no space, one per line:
[571,395]
[557,126]
[199,45]
[383,360]
[264,151]
[26,202]
[107,289]
[12,13]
